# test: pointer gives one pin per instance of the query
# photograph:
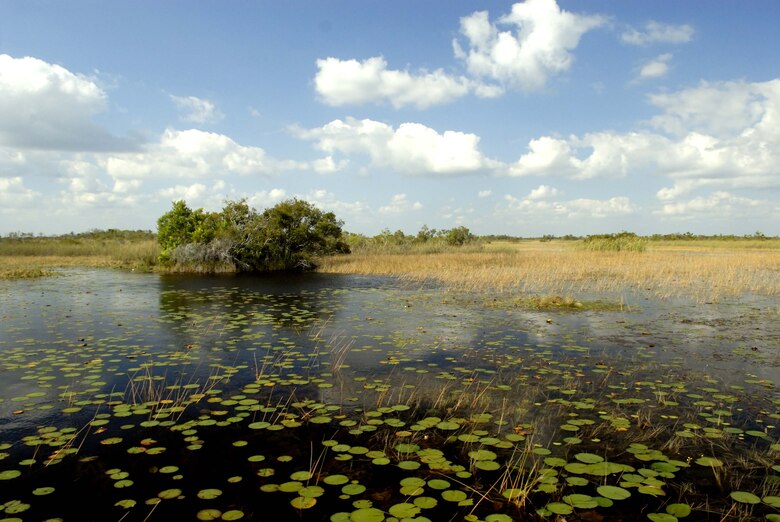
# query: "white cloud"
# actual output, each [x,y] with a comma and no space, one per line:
[546,156]
[266,198]
[352,82]
[543,192]
[719,204]
[328,202]
[656,32]
[400,204]
[193,194]
[575,208]
[656,67]
[194,153]
[485,193]
[412,148]
[538,44]
[84,189]
[197,110]
[723,109]
[47,107]
[721,135]
[328,165]
[13,193]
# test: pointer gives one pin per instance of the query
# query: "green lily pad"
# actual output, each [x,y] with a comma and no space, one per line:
[439,484]
[745,497]
[301,475]
[613,492]
[580,501]
[10,474]
[559,508]
[679,510]
[498,517]
[772,500]
[404,510]
[303,502]
[454,495]
[336,480]
[709,461]
[367,515]
[169,493]
[353,489]
[661,517]
[210,493]
[589,458]
[426,502]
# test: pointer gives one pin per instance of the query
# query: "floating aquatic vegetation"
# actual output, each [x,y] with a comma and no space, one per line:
[351,399]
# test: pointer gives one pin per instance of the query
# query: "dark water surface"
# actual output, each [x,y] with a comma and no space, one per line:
[127,396]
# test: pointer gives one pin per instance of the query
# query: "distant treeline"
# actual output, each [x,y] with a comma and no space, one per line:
[426,239]
[112,234]
[677,236]
[453,237]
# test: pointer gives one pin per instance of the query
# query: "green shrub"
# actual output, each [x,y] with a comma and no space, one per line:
[620,242]
[288,236]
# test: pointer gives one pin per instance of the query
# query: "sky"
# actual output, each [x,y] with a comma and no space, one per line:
[527,118]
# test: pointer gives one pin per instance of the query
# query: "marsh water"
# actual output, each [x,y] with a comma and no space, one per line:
[130,396]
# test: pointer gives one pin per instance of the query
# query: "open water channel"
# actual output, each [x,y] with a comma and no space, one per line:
[127,396]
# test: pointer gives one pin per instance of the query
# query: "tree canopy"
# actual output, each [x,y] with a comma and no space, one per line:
[288,236]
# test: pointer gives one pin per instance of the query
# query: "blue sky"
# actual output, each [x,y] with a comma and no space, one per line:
[525,118]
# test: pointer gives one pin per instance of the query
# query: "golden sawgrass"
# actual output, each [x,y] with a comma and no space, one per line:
[36,258]
[561,268]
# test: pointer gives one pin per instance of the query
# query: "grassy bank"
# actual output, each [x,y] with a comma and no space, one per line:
[704,272]
[27,256]
[704,269]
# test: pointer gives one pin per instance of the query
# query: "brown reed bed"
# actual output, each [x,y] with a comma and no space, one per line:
[37,257]
[703,274]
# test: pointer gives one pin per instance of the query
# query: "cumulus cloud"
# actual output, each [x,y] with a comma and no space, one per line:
[543,192]
[718,134]
[47,107]
[575,208]
[656,67]
[656,32]
[718,204]
[412,148]
[352,82]
[328,201]
[13,193]
[197,110]
[485,193]
[194,194]
[537,45]
[546,156]
[194,153]
[86,188]
[400,204]
[722,109]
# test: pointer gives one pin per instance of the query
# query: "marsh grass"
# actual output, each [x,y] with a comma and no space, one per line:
[560,268]
[28,257]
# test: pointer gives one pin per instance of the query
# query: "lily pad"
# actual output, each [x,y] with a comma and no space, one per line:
[613,492]
[745,497]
